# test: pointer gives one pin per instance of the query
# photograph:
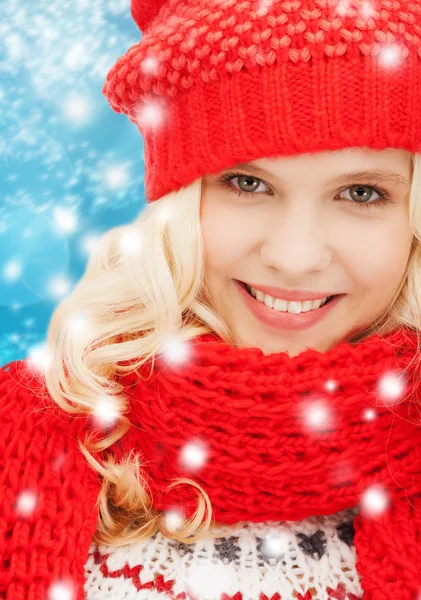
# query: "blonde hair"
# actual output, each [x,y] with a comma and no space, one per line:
[143,286]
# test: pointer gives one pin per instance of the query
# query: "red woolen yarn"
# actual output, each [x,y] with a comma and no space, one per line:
[287,438]
[216,82]
[266,456]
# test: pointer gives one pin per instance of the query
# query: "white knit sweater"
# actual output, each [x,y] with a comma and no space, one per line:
[312,559]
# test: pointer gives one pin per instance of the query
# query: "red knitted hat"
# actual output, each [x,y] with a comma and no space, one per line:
[216,82]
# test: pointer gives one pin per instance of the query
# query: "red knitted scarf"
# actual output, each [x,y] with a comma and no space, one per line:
[270,437]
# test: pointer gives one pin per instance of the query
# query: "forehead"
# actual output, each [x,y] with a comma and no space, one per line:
[394,165]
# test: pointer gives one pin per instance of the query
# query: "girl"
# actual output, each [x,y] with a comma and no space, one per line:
[231,407]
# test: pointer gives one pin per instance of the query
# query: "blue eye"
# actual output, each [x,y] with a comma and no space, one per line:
[382,201]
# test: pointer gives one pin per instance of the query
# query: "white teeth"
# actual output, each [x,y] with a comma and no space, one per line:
[292,306]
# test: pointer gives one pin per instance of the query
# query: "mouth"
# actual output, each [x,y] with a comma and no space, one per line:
[248,289]
[282,319]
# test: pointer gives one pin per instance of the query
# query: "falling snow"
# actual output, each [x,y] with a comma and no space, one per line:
[70,168]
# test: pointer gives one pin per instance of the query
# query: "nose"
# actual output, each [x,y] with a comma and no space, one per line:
[297,243]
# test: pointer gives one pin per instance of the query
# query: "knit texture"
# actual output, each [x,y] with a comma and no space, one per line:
[289,438]
[216,82]
[265,461]
[144,11]
[48,493]
[313,559]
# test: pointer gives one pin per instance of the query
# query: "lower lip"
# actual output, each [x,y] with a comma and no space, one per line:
[286,320]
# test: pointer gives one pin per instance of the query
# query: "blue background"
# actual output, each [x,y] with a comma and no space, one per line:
[70,167]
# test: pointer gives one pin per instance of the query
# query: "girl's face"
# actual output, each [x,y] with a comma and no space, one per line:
[302,230]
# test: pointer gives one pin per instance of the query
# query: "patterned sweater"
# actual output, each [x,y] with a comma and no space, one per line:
[313,559]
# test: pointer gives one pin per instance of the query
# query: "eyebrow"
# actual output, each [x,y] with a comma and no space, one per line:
[380,175]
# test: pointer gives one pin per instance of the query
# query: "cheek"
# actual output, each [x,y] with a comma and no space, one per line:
[379,260]
[226,237]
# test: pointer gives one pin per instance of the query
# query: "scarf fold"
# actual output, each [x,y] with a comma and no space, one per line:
[274,437]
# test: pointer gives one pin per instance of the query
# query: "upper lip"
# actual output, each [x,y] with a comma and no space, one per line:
[299,295]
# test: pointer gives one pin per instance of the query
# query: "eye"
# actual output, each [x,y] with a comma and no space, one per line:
[361,194]
[247,180]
